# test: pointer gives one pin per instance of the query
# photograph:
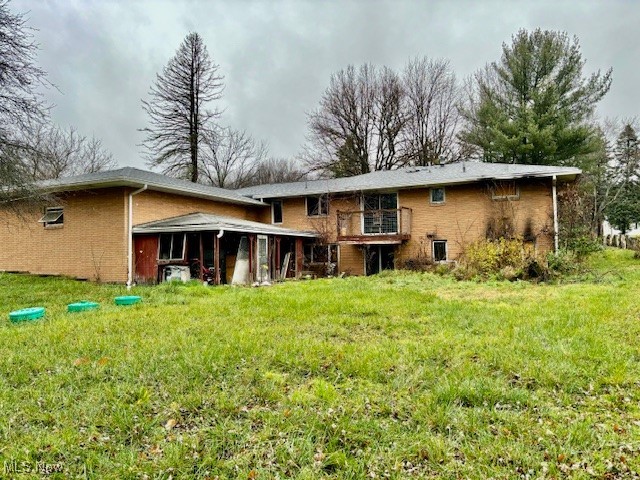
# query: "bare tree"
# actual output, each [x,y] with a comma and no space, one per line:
[178,112]
[231,158]
[431,102]
[54,153]
[356,128]
[21,106]
[277,170]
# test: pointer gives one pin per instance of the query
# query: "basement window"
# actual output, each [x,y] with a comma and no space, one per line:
[171,246]
[317,206]
[437,195]
[439,250]
[507,190]
[53,216]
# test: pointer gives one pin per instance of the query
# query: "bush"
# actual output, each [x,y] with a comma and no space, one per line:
[563,262]
[509,259]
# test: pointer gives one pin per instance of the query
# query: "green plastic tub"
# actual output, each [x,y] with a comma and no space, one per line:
[127,300]
[26,314]
[82,306]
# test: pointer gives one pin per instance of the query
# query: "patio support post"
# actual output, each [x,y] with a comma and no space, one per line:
[251,240]
[299,257]
[216,258]
[277,269]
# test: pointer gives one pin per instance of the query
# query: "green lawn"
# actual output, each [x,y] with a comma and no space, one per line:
[395,376]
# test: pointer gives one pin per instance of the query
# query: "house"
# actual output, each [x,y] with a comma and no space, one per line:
[386,219]
[129,225]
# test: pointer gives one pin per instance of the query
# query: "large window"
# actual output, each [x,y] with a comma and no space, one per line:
[317,206]
[380,213]
[439,250]
[53,216]
[276,211]
[171,246]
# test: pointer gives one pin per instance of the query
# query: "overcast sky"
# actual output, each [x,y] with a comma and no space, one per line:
[277,56]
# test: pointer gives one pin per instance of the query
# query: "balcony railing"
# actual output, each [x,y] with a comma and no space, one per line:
[365,226]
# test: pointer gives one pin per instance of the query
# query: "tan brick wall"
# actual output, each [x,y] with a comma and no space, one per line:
[150,205]
[464,216]
[460,220]
[92,241]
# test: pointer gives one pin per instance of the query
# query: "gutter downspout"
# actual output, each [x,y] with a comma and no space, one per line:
[554,194]
[130,237]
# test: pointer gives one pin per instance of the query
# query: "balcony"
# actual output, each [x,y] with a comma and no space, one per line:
[384,226]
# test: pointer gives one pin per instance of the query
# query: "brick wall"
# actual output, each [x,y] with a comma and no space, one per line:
[461,219]
[91,243]
[151,205]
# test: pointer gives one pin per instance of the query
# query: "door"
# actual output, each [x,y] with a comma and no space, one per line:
[263,273]
[378,258]
[145,249]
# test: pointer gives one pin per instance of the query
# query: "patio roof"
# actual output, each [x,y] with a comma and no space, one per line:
[198,222]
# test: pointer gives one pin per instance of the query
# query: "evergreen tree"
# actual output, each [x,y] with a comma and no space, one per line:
[534,106]
[625,210]
[178,114]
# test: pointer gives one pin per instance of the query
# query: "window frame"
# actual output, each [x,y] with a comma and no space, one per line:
[58,222]
[273,212]
[331,248]
[322,200]
[172,259]
[433,251]
[444,196]
[516,189]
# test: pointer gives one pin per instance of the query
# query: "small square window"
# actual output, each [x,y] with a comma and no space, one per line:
[437,195]
[53,216]
[276,211]
[439,250]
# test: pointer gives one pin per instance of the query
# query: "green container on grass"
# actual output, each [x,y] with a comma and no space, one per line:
[82,306]
[26,314]
[127,300]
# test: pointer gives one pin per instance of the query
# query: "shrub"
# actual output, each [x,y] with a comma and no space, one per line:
[509,259]
[563,262]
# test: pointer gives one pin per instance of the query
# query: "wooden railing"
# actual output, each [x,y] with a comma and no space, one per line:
[374,223]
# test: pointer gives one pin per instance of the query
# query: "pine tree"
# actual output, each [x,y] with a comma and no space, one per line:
[178,114]
[534,106]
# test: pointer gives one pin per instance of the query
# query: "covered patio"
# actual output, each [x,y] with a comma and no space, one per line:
[217,249]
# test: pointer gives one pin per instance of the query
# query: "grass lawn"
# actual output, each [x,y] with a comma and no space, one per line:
[394,376]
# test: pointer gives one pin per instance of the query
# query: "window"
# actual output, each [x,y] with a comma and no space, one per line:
[276,211]
[507,190]
[317,206]
[320,253]
[53,216]
[380,213]
[171,246]
[439,250]
[437,195]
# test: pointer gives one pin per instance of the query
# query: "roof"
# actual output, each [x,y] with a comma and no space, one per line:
[412,177]
[195,222]
[133,177]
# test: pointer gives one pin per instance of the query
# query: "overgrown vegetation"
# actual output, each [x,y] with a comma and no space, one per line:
[400,375]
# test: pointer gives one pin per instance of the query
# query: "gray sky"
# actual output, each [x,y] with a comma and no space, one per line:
[277,56]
